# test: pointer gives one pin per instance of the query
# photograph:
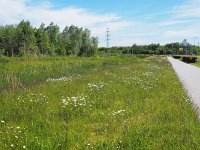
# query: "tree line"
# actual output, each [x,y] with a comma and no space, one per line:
[23,39]
[156,49]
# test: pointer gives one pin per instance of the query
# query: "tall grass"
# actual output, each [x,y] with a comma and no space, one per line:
[118,103]
[21,72]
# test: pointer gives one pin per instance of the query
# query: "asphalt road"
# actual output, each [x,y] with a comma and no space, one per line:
[189,75]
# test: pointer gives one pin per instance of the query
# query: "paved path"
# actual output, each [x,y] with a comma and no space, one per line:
[190,77]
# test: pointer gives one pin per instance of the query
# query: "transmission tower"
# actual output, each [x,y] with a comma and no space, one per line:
[108,37]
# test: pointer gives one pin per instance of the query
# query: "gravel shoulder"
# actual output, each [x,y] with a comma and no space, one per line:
[189,76]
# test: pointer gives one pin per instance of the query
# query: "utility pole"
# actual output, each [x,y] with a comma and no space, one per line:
[108,37]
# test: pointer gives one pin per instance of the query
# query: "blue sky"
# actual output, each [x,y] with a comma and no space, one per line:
[130,21]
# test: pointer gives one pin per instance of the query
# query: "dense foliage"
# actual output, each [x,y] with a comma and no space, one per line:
[156,49]
[187,59]
[22,39]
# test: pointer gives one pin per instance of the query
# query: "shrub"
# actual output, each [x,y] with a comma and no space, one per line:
[189,59]
[4,59]
[177,56]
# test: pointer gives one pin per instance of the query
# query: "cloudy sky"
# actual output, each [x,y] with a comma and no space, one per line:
[130,21]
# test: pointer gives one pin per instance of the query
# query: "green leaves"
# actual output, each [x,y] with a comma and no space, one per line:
[23,40]
[25,37]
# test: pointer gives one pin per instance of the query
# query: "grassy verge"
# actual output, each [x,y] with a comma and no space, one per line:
[198,62]
[121,103]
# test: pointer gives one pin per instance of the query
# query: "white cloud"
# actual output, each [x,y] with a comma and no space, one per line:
[186,19]
[182,21]
[9,9]
[174,25]
[190,8]
[179,33]
[13,11]
[174,22]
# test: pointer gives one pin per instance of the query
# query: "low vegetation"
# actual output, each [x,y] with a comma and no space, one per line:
[23,72]
[177,56]
[186,58]
[190,59]
[153,49]
[25,40]
[98,103]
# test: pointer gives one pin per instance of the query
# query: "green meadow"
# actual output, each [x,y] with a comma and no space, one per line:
[102,103]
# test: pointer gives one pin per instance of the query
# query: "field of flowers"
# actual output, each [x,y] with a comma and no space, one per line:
[122,102]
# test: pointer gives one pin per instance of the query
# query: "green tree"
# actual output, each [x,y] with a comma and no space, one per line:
[2,40]
[23,39]
[53,35]
[7,39]
[25,36]
[61,45]
[94,46]
[86,46]
[2,52]
[75,40]
[42,39]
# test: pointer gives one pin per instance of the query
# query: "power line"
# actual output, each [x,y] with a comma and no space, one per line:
[108,37]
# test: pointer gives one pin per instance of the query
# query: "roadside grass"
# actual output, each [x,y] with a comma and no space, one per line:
[198,62]
[119,103]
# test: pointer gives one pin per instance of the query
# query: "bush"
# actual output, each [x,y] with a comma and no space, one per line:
[4,59]
[2,51]
[177,56]
[189,59]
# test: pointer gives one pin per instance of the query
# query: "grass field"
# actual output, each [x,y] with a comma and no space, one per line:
[123,102]
[22,72]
